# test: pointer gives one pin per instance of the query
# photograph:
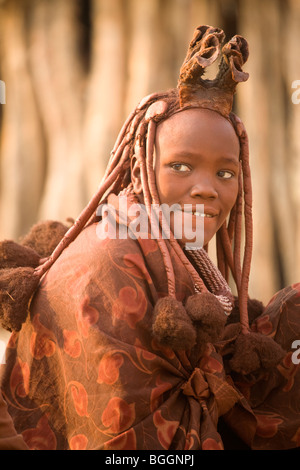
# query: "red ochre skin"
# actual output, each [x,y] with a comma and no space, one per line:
[196,162]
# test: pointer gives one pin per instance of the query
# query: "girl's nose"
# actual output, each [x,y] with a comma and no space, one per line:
[203,188]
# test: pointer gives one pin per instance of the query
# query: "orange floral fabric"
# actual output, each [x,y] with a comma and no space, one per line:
[9,439]
[85,372]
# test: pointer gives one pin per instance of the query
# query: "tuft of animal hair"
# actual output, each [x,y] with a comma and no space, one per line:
[14,255]
[255,309]
[44,236]
[18,279]
[254,352]
[208,317]
[171,324]
[17,286]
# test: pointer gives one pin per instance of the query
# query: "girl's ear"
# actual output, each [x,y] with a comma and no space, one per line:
[136,175]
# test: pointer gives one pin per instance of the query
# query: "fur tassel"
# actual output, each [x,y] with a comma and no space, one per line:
[201,321]
[17,286]
[254,352]
[255,308]
[172,326]
[13,255]
[208,317]
[18,280]
[43,237]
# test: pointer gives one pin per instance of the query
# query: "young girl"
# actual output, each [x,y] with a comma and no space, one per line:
[134,339]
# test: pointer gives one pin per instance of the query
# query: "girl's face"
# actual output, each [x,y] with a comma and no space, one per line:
[197,162]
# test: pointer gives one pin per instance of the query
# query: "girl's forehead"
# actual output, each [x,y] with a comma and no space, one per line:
[192,122]
[197,117]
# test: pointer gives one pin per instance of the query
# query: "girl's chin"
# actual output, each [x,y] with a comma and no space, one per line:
[196,244]
[202,238]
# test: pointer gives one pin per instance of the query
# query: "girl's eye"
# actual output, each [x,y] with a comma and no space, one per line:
[226,174]
[180,167]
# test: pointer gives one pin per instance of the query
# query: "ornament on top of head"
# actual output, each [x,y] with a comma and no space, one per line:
[204,49]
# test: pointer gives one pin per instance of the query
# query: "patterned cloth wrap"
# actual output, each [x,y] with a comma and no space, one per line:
[85,372]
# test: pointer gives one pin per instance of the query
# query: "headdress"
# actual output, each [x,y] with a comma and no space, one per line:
[204,49]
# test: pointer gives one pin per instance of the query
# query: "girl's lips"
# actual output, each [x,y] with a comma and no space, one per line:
[209,213]
[203,214]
